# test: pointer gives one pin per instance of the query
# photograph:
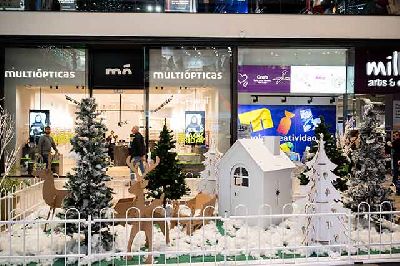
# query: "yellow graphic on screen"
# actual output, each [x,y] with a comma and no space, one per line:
[286,123]
[287,147]
[259,119]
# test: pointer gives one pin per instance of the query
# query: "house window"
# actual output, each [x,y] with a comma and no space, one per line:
[241,177]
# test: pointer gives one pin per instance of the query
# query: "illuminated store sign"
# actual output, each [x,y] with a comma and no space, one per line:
[39,73]
[377,70]
[388,68]
[122,69]
[190,75]
[261,79]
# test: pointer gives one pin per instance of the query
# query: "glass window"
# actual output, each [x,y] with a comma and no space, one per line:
[286,92]
[190,92]
[38,84]
[241,177]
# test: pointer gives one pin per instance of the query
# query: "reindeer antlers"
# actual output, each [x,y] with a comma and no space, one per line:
[148,167]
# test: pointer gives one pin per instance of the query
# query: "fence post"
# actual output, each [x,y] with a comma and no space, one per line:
[225,238]
[349,237]
[89,240]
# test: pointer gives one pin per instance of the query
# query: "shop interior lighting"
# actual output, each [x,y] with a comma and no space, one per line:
[310,100]
[149,8]
[284,99]
[332,100]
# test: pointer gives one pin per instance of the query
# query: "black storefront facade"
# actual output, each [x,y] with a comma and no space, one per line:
[179,82]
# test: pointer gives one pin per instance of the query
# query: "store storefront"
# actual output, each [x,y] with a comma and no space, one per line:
[37,85]
[190,91]
[206,95]
[284,92]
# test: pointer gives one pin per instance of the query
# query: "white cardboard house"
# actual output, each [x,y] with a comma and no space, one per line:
[254,172]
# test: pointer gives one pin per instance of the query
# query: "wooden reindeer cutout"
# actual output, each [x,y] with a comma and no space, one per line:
[146,211]
[52,196]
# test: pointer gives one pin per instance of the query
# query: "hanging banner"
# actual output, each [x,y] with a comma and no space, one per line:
[195,128]
[264,79]
[377,70]
[123,69]
[295,124]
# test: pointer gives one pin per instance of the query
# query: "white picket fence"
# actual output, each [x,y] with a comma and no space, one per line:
[23,241]
[225,240]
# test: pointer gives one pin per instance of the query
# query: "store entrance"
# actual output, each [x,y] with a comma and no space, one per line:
[122,110]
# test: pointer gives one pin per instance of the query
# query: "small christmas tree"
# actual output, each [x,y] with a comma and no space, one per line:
[334,153]
[368,171]
[327,228]
[209,174]
[88,191]
[167,178]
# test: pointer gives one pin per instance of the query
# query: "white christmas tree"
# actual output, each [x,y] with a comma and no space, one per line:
[87,185]
[323,198]
[209,174]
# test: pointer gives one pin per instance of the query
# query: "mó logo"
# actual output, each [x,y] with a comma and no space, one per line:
[389,68]
[118,71]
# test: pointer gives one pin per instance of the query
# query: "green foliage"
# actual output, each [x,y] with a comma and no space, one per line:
[334,153]
[9,185]
[167,178]
[89,193]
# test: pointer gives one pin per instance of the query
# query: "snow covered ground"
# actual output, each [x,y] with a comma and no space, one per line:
[229,238]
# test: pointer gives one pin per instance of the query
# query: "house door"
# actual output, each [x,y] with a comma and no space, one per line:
[239,181]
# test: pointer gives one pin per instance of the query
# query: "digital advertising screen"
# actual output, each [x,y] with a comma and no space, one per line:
[318,79]
[295,124]
[38,120]
[195,127]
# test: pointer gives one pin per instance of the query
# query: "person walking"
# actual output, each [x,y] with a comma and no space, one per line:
[137,149]
[45,144]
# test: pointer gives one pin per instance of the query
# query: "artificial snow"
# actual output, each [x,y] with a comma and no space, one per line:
[239,238]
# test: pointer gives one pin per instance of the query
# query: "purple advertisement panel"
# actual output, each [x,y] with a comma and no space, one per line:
[261,79]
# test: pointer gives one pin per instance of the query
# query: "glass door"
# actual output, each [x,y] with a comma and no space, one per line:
[122,110]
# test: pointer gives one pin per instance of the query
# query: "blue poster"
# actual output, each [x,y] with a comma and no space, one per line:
[295,124]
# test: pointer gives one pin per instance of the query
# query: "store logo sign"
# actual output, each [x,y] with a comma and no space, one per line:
[189,75]
[126,70]
[39,74]
[388,68]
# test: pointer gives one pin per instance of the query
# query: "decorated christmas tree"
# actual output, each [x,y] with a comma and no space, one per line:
[209,174]
[88,191]
[334,153]
[323,196]
[368,168]
[167,178]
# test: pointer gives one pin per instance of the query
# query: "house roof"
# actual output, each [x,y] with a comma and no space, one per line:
[265,159]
